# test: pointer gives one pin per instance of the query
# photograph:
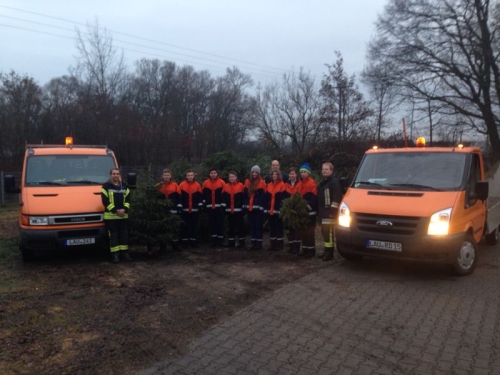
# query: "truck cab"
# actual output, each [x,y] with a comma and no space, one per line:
[425,204]
[59,197]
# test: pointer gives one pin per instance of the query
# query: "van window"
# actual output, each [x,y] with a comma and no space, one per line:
[412,171]
[46,170]
[473,178]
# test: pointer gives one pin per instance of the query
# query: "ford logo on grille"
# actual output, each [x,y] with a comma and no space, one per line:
[384,223]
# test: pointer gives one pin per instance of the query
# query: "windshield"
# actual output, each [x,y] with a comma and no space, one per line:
[433,171]
[49,170]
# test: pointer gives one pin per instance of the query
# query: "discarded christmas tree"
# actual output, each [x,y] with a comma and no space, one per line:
[294,212]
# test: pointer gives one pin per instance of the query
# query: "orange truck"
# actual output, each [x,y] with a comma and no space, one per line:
[419,203]
[59,196]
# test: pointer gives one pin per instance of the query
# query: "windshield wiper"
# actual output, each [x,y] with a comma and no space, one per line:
[48,183]
[84,182]
[417,186]
[372,184]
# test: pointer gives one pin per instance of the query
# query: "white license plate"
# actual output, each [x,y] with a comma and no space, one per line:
[383,245]
[80,241]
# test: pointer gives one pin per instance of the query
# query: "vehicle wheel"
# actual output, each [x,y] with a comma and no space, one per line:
[492,238]
[351,257]
[27,255]
[466,257]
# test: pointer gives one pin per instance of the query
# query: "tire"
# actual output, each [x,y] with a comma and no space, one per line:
[465,257]
[351,257]
[27,255]
[492,238]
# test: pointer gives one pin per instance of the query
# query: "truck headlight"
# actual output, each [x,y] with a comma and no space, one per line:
[39,220]
[440,223]
[344,215]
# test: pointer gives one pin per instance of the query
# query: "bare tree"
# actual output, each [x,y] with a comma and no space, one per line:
[445,51]
[344,109]
[287,113]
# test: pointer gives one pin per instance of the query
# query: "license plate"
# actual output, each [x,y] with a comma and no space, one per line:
[80,241]
[383,245]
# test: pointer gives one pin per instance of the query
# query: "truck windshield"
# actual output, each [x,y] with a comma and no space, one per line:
[433,171]
[50,170]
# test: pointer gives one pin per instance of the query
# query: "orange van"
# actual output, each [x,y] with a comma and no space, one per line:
[425,204]
[60,199]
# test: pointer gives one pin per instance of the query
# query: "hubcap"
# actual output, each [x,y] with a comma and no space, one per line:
[466,256]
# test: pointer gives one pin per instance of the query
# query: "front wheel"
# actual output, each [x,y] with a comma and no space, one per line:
[27,255]
[466,257]
[492,238]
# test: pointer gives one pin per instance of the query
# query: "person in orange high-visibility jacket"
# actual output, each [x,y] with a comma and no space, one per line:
[233,196]
[292,186]
[212,196]
[276,192]
[191,202]
[308,189]
[171,191]
[254,204]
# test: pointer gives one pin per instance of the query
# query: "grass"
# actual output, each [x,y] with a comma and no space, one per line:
[9,235]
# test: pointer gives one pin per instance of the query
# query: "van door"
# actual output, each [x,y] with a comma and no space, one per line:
[475,209]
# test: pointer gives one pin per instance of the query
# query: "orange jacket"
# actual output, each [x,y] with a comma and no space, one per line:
[308,189]
[191,196]
[276,192]
[171,191]
[212,191]
[257,199]
[233,196]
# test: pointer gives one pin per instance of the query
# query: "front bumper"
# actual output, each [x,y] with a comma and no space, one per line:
[424,248]
[56,238]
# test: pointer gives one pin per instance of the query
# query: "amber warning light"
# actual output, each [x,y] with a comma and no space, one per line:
[420,142]
[69,141]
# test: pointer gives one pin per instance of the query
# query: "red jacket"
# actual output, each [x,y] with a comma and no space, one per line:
[191,196]
[212,192]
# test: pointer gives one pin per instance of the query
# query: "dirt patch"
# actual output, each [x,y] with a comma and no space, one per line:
[79,314]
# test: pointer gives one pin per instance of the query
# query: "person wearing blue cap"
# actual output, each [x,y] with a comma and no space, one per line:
[308,189]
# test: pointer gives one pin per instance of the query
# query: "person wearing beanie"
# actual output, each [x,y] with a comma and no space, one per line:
[254,204]
[309,191]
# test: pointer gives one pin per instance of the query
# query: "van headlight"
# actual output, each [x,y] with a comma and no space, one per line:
[344,215]
[440,223]
[39,220]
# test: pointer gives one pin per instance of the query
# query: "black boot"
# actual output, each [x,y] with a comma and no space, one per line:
[328,254]
[230,243]
[115,257]
[125,256]
[272,247]
[241,243]
[163,249]
[175,246]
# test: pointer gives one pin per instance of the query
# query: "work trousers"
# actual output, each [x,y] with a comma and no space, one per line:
[118,234]
[276,231]
[236,226]
[216,220]
[256,222]
[308,235]
[189,227]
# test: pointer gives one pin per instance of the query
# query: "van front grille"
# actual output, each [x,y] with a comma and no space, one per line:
[401,225]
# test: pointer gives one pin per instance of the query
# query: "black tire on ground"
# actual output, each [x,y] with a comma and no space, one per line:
[492,238]
[27,255]
[466,257]
[351,257]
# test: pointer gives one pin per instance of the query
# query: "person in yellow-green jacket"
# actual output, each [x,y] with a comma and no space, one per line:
[115,196]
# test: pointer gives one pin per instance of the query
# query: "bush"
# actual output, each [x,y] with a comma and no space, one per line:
[294,212]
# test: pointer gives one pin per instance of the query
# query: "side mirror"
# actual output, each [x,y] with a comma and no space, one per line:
[482,190]
[10,184]
[345,183]
[132,180]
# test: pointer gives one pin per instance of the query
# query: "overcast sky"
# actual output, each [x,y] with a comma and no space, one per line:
[263,38]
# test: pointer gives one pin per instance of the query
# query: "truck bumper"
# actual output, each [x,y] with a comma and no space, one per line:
[436,249]
[57,239]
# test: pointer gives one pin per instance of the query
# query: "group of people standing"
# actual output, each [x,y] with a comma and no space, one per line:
[257,198]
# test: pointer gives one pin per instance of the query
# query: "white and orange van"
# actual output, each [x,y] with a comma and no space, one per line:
[421,203]
[60,199]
